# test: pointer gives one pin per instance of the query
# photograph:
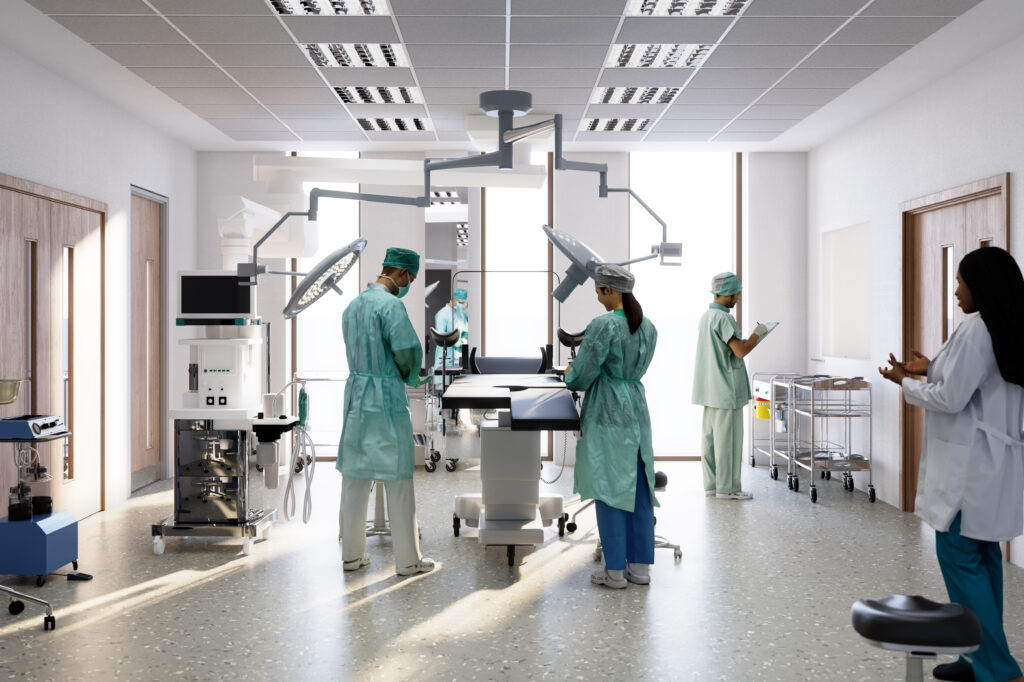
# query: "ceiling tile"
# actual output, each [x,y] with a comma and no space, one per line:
[672,29]
[334,137]
[718,95]
[803,8]
[244,124]
[778,31]
[229,110]
[825,78]
[702,111]
[610,136]
[453,96]
[219,30]
[542,96]
[322,125]
[533,78]
[854,56]
[120,29]
[187,77]
[92,7]
[446,8]
[756,56]
[372,76]
[569,112]
[625,110]
[256,55]
[321,95]
[357,29]
[817,96]
[453,111]
[271,77]
[655,136]
[452,30]
[644,77]
[155,55]
[452,136]
[449,124]
[736,78]
[888,31]
[745,125]
[780,111]
[745,137]
[387,110]
[919,8]
[594,8]
[691,125]
[563,30]
[401,136]
[477,78]
[567,57]
[205,7]
[257,136]
[209,95]
[292,111]
[478,56]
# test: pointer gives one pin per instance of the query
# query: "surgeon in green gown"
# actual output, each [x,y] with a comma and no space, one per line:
[721,385]
[384,356]
[453,316]
[615,456]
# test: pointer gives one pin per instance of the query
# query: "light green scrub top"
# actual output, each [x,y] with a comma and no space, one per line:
[446,321]
[615,422]
[383,353]
[719,377]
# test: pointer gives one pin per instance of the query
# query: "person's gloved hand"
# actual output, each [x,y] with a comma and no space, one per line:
[760,330]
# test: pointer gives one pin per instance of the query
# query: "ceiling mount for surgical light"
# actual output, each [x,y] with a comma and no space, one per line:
[323,278]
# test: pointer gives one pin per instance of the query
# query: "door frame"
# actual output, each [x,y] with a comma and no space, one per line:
[166,464]
[996,185]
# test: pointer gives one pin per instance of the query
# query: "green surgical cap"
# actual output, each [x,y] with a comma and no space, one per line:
[402,258]
[725,284]
[460,294]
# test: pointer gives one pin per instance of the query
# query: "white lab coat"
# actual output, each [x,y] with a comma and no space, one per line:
[972,457]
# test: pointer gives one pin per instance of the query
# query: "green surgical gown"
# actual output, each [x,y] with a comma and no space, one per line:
[615,422]
[383,354]
[719,377]
[446,320]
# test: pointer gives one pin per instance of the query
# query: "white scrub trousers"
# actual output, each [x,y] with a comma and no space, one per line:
[355,495]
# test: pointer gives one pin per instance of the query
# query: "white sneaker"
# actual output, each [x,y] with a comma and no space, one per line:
[638,574]
[738,495]
[356,564]
[424,565]
[612,579]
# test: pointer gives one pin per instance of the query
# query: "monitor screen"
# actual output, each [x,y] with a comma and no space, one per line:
[215,295]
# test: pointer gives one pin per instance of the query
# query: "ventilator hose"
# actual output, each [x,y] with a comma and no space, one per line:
[565,451]
[302,442]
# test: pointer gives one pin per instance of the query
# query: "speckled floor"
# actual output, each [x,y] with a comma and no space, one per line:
[763,592]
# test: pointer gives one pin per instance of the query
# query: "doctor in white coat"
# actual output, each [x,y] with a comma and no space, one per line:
[971,478]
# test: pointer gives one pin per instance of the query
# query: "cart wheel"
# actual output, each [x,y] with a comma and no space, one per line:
[561,526]
[814,494]
[828,475]
[775,473]
[15,607]
[450,465]
[678,553]
[789,481]
[435,456]
[511,553]
[40,580]
[431,467]
[571,527]
[871,493]
[247,546]
[796,484]
[822,474]
[74,565]
[456,524]
[49,623]
[158,544]
[752,462]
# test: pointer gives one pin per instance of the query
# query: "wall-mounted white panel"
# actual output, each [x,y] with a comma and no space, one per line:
[845,309]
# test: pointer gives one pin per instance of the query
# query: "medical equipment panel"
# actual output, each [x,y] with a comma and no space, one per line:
[215,295]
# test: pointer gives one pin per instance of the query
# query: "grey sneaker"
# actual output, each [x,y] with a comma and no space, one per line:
[356,564]
[612,579]
[424,565]
[638,574]
[738,495]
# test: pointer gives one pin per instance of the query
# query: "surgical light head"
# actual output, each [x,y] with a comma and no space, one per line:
[725,284]
[323,278]
[583,261]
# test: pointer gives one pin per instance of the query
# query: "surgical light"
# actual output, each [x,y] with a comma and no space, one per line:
[323,278]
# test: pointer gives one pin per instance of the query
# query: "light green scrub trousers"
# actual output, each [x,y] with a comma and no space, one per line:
[722,449]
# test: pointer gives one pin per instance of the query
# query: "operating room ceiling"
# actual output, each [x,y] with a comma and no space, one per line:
[367,71]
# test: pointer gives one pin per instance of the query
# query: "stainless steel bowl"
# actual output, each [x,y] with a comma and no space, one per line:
[9,390]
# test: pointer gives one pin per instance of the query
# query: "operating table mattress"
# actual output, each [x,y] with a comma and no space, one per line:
[537,402]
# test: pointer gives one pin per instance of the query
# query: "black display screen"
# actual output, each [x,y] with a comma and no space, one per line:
[227,295]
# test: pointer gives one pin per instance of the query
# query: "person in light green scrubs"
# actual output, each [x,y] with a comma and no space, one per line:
[615,455]
[721,385]
[384,355]
[449,318]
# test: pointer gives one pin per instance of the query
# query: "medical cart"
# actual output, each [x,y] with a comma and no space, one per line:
[769,423]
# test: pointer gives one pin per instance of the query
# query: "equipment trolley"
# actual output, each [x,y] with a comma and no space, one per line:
[769,424]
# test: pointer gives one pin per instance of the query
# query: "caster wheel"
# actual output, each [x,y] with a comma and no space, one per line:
[49,623]
[511,553]
[871,493]
[74,565]
[259,468]
[822,475]
[814,494]
[158,545]
[15,607]
[450,465]
[796,484]
[40,580]
[247,546]
[774,473]
[571,527]
[752,462]
[828,475]
[456,524]
[561,526]
[789,481]
[431,467]
[678,554]
[435,456]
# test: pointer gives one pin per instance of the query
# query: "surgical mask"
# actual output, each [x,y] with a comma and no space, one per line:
[402,291]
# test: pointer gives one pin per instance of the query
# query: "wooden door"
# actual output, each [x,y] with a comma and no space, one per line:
[146,316]
[937,231]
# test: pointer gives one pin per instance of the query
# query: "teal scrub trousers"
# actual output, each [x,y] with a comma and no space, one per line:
[973,571]
[722,449]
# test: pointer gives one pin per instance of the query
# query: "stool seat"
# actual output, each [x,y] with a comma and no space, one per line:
[660,481]
[445,339]
[914,621]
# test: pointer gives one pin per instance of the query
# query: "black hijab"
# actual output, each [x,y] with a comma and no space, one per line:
[997,288]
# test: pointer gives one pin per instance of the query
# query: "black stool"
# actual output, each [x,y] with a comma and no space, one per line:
[920,627]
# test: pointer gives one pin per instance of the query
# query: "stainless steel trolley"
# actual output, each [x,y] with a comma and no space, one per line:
[767,437]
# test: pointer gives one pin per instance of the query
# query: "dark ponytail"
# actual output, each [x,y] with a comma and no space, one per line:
[634,313]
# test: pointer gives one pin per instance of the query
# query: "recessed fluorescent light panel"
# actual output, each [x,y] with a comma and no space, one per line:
[685,8]
[633,95]
[394,125]
[658,56]
[332,55]
[445,197]
[615,125]
[378,95]
[331,8]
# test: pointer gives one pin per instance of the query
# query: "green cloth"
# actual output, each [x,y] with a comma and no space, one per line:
[460,294]
[615,422]
[384,354]
[447,320]
[395,257]
[721,449]
[719,377]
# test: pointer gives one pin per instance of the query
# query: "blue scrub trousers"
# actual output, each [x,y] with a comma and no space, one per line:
[628,536]
[973,571]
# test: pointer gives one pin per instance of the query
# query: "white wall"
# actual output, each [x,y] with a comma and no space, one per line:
[958,129]
[54,133]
